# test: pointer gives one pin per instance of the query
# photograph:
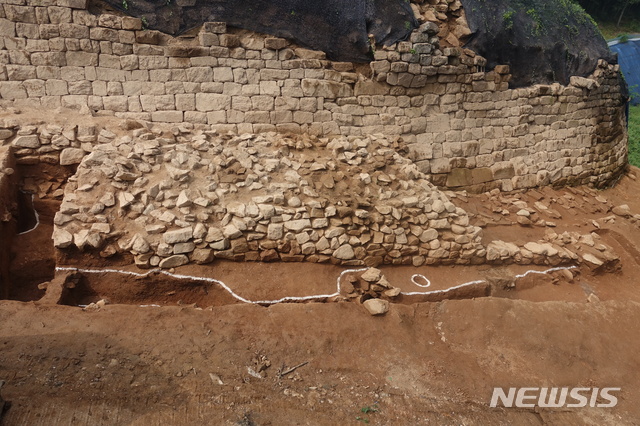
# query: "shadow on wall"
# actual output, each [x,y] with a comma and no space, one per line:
[339,28]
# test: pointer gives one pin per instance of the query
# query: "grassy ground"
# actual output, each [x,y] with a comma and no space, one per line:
[609,29]
[634,136]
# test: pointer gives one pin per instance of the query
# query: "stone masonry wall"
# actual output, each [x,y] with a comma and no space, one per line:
[464,125]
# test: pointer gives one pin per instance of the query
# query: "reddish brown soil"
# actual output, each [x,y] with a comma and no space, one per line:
[422,363]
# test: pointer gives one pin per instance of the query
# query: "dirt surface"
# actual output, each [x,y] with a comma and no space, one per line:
[203,357]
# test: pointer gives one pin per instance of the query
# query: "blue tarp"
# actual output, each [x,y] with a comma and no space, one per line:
[629,60]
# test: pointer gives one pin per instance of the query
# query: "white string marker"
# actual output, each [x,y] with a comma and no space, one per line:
[294,298]
[37,218]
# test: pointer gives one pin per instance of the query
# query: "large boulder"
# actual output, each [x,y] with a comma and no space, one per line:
[544,41]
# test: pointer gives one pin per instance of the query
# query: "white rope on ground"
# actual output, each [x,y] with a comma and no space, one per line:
[37,218]
[294,298]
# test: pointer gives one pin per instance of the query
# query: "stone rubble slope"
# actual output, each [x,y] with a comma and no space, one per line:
[170,198]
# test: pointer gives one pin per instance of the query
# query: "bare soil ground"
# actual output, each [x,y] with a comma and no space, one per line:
[194,358]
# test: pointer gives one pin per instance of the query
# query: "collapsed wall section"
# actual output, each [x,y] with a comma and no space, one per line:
[465,127]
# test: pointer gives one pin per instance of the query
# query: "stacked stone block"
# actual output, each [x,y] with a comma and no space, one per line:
[466,128]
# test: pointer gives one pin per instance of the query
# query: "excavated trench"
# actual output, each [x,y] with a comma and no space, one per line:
[37,197]
[32,270]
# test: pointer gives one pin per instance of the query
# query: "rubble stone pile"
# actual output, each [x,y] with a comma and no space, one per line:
[198,196]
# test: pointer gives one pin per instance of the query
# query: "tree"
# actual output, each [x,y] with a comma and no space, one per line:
[626,4]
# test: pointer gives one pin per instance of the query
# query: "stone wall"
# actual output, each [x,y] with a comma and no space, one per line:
[464,125]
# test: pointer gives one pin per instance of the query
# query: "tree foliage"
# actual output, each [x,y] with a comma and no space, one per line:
[612,10]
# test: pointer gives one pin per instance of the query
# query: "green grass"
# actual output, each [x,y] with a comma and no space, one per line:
[634,135]
[609,29]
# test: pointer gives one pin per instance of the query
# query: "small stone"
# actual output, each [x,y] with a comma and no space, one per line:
[376,306]
[143,261]
[125,199]
[297,225]
[85,238]
[372,275]
[231,231]
[167,217]
[101,228]
[178,236]
[592,298]
[108,199]
[223,244]
[214,234]
[567,274]
[30,141]
[139,245]
[183,200]
[182,248]
[199,231]
[202,202]
[429,235]
[394,292]
[344,252]
[294,202]
[588,257]
[622,210]
[174,261]
[536,248]
[155,229]
[61,238]
[70,156]
[202,256]
[437,206]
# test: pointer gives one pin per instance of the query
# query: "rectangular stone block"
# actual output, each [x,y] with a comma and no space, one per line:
[215,27]
[167,116]
[130,23]
[185,102]
[103,34]
[129,62]
[109,74]
[120,49]
[199,74]
[56,88]
[12,90]
[28,31]
[17,13]
[74,101]
[152,62]
[20,72]
[7,28]
[74,4]
[37,45]
[116,103]
[148,37]
[223,74]
[275,43]
[82,87]
[109,61]
[47,72]
[49,31]
[59,15]
[56,59]
[74,31]
[208,39]
[206,102]
[82,59]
